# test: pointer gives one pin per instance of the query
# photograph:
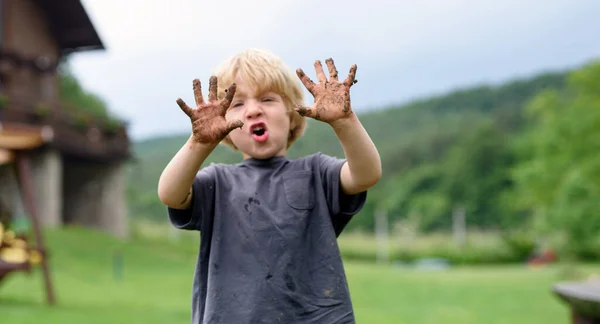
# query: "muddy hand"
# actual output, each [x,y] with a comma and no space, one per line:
[332,97]
[208,119]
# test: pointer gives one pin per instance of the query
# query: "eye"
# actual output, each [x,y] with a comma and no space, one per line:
[237,104]
[268,99]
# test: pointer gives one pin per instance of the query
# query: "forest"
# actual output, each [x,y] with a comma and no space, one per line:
[518,158]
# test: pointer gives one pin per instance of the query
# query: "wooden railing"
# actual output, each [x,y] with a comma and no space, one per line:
[73,131]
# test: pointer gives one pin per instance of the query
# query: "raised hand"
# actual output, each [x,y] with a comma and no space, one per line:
[209,125]
[332,98]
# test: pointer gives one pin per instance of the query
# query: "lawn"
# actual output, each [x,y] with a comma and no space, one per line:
[154,287]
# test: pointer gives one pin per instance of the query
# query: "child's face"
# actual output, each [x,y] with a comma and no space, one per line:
[266,123]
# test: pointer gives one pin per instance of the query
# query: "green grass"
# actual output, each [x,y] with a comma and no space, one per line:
[157,278]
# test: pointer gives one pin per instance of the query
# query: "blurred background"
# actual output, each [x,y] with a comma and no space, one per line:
[486,115]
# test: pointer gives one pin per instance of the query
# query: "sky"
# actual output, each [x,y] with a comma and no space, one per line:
[404,50]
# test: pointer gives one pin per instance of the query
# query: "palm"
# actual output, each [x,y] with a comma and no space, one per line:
[332,98]
[208,119]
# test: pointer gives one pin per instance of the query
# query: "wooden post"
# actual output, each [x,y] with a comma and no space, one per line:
[25,181]
[382,233]
[459,226]
[174,233]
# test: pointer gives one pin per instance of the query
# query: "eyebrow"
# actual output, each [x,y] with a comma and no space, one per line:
[239,95]
[244,95]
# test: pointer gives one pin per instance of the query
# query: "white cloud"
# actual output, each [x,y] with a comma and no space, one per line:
[403,49]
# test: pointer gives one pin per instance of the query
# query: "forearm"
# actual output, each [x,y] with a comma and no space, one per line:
[363,162]
[175,183]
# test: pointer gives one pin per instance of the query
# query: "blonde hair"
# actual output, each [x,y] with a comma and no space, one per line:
[264,72]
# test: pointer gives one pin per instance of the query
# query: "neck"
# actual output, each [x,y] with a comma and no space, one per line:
[268,161]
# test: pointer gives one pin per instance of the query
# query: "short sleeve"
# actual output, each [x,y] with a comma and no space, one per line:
[342,206]
[202,202]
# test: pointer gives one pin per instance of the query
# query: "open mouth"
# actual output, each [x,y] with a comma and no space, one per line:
[259,132]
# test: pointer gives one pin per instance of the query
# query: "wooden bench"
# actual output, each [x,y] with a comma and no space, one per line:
[583,299]
[7,268]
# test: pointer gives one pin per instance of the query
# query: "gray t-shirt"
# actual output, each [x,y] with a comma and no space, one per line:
[268,248]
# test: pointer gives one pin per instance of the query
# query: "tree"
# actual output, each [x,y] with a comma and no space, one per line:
[559,179]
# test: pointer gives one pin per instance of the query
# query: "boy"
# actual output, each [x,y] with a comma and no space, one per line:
[268,250]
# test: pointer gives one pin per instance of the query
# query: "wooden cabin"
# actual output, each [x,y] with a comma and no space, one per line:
[77,159]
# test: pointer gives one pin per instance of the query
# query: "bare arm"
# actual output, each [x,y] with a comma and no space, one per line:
[175,183]
[209,127]
[362,169]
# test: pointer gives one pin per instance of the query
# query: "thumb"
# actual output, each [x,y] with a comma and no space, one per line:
[186,109]
[304,111]
[233,125]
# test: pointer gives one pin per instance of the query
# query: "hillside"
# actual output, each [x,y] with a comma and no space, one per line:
[410,137]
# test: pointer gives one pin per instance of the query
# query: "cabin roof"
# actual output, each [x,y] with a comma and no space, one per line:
[71,25]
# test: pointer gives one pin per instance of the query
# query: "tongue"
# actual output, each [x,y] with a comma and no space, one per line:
[261,138]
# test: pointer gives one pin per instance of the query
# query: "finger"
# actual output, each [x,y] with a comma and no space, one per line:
[198,92]
[233,125]
[333,73]
[304,111]
[350,80]
[320,74]
[308,83]
[212,89]
[186,109]
[228,98]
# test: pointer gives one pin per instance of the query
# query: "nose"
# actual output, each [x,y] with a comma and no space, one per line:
[253,110]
